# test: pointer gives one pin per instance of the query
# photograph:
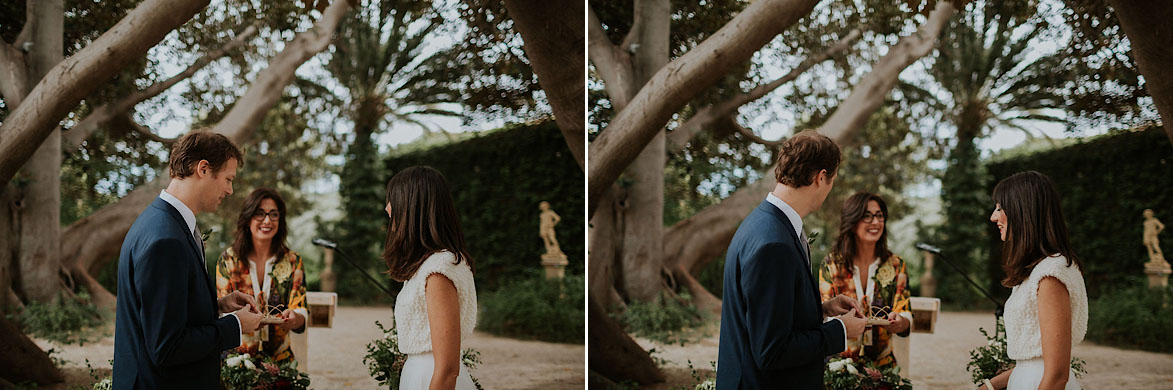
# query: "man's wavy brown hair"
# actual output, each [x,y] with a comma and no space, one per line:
[804,155]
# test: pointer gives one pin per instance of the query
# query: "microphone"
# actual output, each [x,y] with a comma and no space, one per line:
[920,245]
[322,242]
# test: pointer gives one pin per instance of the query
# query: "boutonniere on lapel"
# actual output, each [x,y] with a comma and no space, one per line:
[205,234]
[810,240]
[885,275]
[281,271]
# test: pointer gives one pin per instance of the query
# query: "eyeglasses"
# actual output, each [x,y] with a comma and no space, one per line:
[867,217]
[260,215]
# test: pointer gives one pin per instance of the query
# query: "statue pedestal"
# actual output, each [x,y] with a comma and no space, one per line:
[555,265]
[1158,273]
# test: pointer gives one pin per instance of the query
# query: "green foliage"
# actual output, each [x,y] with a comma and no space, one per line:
[666,319]
[842,374]
[68,319]
[988,361]
[385,362]
[966,203]
[548,310]
[243,372]
[1133,317]
[497,180]
[1104,184]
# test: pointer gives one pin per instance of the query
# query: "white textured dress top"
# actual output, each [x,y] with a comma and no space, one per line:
[411,310]
[1023,335]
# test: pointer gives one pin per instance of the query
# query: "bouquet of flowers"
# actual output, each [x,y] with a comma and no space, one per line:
[988,361]
[385,362]
[241,372]
[844,374]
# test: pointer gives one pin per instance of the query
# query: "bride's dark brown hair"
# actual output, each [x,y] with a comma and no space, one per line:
[1035,227]
[423,221]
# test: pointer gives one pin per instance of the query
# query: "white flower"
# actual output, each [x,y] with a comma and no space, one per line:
[851,369]
[992,343]
[234,361]
[837,365]
[709,384]
[249,364]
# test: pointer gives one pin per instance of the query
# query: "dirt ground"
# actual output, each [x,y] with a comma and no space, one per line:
[336,357]
[938,359]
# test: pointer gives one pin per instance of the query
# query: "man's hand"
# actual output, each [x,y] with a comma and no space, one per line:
[293,320]
[249,318]
[854,322]
[235,301]
[841,304]
[897,323]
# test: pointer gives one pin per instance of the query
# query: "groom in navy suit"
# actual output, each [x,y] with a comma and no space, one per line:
[775,332]
[169,330]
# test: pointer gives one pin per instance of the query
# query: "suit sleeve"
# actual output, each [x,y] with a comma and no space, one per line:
[769,282]
[162,283]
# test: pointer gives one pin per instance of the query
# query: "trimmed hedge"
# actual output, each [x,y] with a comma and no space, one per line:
[1105,183]
[497,180]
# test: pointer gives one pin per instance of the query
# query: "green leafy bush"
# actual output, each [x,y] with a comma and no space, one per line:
[1136,317]
[666,320]
[66,320]
[548,310]
[385,362]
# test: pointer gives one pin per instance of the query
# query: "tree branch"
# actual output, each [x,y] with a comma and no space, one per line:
[705,117]
[612,63]
[139,128]
[67,83]
[73,137]
[675,84]
[13,74]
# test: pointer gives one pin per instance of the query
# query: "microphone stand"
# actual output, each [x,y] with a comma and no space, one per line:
[331,245]
[1000,309]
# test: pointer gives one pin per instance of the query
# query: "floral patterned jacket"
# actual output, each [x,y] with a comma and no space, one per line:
[286,291]
[891,293]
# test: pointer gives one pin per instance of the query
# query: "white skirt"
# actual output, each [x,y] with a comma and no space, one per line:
[417,374]
[1028,374]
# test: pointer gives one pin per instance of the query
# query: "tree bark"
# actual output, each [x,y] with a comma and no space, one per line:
[21,360]
[113,221]
[606,232]
[613,64]
[644,118]
[696,241]
[553,38]
[27,127]
[707,116]
[1152,47]
[614,354]
[103,114]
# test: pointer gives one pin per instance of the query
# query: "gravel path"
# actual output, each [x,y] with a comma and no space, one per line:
[938,360]
[336,356]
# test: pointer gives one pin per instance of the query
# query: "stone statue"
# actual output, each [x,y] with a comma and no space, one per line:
[1152,227]
[548,219]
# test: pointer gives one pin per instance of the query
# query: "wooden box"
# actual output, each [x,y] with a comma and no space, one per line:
[924,313]
[321,307]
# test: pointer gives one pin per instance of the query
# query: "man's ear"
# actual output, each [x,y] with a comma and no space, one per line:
[203,168]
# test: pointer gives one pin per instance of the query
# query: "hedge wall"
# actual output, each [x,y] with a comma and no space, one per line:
[1104,183]
[497,179]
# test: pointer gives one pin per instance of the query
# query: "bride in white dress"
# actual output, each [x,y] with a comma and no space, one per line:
[437,308]
[1046,315]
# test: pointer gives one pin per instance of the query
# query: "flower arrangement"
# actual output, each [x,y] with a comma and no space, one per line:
[988,361]
[844,374]
[242,371]
[385,362]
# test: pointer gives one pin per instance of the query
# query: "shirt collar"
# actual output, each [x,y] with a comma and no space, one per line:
[188,216]
[795,220]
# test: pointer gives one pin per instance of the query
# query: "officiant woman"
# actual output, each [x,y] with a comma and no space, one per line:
[861,266]
[260,264]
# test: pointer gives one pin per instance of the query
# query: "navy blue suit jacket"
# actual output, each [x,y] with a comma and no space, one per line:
[772,330]
[167,331]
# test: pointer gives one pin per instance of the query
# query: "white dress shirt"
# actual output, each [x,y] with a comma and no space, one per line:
[189,217]
[796,221]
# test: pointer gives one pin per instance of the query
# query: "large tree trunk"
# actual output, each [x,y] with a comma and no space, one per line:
[696,241]
[678,82]
[613,353]
[103,114]
[40,199]
[553,38]
[27,127]
[113,221]
[21,360]
[606,232]
[1145,23]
